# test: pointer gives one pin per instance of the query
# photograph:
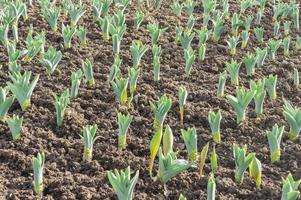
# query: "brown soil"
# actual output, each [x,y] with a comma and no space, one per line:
[66,176]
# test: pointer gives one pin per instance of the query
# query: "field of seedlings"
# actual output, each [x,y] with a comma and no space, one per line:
[150,99]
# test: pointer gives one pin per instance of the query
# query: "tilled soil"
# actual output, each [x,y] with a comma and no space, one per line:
[66,176]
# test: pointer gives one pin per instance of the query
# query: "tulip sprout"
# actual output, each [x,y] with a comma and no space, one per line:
[189,55]
[276,28]
[155,32]
[232,43]
[211,187]
[293,118]
[286,45]
[259,89]
[133,78]
[22,88]
[176,8]
[87,67]
[186,39]
[240,103]
[167,141]
[75,82]
[38,166]
[88,140]
[214,119]
[290,188]
[138,19]
[233,69]
[203,156]
[273,46]
[221,83]
[160,109]
[242,161]
[261,56]
[137,51]
[5,102]
[249,61]
[182,93]
[259,31]
[52,15]
[120,89]
[68,32]
[245,38]
[274,139]
[51,59]
[122,183]
[255,171]
[82,35]
[170,166]
[105,24]
[296,77]
[287,25]
[213,160]
[60,104]
[15,126]
[270,84]
[190,139]
[124,122]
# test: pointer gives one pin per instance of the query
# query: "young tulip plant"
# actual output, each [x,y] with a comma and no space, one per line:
[51,59]
[221,84]
[202,159]
[270,84]
[276,28]
[189,7]
[138,19]
[235,24]
[290,188]
[273,46]
[259,31]
[122,183]
[240,103]
[296,77]
[242,162]
[232,43]
[213,160]
[176,8]
[182,94]
[68,32]
[87,67]
[214,119]
[155,32]
[34,45]
[189,55]
[117,35]
[100,8]
[4,34]
[167,141]
[211,188]
[13,53]
[124,122]
[244,5]
[274,139]
[22,88]
[160,110]
[208,7]
[137,49]
[293,117]
[76,78]
[15,126]
[120,89]
[218,29]
[104,24]
[5,102]
[186,39]
[247,23]
[249,61]
[115,71]
[233,70]
[245,38]
[286,26]
[156,61]
[259,88]
[88,140]
[255,171]
[133,78]
[286,45]
[190,139]
[76,11]
[170,166]
[179,30]
[82,35]
[61,103]
[296,48]
[38,167]
[51,15]
[190,24]
[261,56]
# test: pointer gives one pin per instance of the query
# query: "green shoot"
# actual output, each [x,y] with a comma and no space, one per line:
[259,89]
[51,59]
[38,166]
[290,188]
[76,78]
[213,160]
[221,84]
[270,84]
[190,139]
[214,119]
[249,61]
[5,102]
[274,139]
[233,70]
[60,104]
[240,103]
[122,183]
[15,126]
[211,187]
[293,118]
[255,171]
[120,89]
[182,94]
[124,122]
[242,162]
[137,51]
[88,140]
[189,55]
[87,67]
[68,32]
[167,141]
[203,156]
